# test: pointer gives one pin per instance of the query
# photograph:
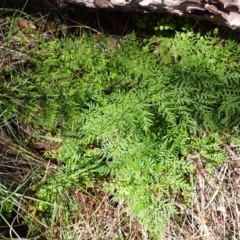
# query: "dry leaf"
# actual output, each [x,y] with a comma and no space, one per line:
[26,24]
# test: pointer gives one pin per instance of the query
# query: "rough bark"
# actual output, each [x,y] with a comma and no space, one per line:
[221,12]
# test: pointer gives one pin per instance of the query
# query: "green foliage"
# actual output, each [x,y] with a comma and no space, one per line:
[171,23]
[132,115]
[145,21]
[163,24]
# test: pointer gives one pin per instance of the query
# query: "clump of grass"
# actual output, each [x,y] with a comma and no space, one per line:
[21,168]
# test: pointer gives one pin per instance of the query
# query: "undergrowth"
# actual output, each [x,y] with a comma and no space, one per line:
[134,116]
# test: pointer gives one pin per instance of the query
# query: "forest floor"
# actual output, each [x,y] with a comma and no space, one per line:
[214,208]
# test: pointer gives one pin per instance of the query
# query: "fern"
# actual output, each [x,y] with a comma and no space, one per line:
[130,114]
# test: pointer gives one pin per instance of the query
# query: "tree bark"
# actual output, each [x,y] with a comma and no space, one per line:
[220,12]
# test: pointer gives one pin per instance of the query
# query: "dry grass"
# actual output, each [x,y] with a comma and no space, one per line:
[14,42]
[214,210]
[96,217]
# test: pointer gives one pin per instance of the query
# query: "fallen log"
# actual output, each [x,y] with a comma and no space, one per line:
[220,12]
